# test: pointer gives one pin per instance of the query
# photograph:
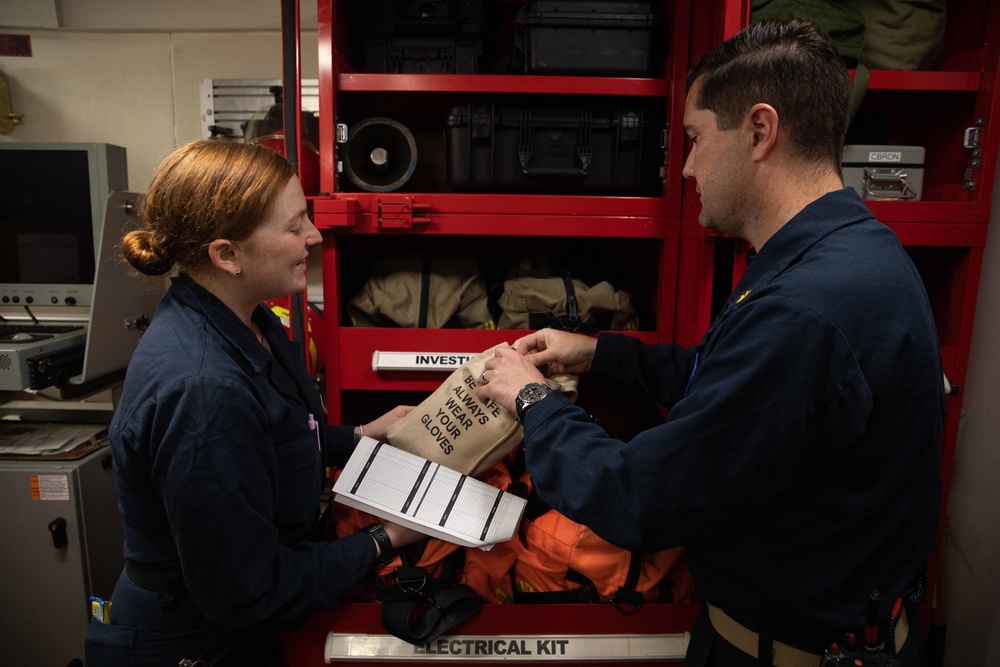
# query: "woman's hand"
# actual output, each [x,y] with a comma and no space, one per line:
[400,535]
[377,428]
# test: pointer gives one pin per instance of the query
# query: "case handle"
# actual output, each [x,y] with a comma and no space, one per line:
[584,152]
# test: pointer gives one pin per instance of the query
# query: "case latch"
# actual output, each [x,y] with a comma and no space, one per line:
[481,123]
[401,212]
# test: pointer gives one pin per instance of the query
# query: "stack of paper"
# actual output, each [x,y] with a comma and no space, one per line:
[27,438]
[426,496]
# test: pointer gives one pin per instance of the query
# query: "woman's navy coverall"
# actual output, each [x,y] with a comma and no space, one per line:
[219,475]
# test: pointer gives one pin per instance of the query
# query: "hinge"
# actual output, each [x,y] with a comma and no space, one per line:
[971,141]
[664,134]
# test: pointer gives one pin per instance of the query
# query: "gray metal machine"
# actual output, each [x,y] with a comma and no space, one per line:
[62,542]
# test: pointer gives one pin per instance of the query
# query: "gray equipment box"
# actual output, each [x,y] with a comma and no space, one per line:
[45,587]
[885,172]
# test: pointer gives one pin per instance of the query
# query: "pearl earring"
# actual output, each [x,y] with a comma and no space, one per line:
[238,271]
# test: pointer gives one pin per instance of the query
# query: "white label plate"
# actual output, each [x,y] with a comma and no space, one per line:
[520,648]
[419,361]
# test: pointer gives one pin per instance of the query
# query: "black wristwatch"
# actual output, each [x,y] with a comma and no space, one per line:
[528,396]
[385,551]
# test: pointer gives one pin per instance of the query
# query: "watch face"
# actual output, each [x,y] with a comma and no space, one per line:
[534,392]
[528,396]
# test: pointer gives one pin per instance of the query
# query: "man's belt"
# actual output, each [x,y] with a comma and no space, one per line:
[785,655]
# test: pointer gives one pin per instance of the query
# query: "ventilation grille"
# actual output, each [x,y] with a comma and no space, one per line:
[230,103]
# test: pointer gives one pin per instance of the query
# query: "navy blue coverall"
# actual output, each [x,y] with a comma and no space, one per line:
[219,476]
[799,462]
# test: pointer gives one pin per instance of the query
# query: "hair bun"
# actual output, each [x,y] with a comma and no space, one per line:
[145,254]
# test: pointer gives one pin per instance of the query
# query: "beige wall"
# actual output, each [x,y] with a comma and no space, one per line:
[137,90]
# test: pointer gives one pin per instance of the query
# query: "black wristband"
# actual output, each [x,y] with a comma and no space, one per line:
[385,550]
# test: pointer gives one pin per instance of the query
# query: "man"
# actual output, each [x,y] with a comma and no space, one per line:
[799,462]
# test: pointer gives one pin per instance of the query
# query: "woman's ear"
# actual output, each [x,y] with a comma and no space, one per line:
[225,255]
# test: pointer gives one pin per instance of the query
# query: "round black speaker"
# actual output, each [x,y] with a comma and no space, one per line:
[380,155]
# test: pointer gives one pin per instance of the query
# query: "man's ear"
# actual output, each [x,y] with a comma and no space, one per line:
[225,255]
[763,120]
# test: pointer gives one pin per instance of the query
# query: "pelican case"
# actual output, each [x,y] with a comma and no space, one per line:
[589,147]
[426,17]
[432,55]
[588,37]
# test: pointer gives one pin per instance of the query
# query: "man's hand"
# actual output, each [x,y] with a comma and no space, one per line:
[557,351]
[505,374]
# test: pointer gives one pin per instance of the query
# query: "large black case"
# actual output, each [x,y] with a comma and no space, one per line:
[588,37]
[432,55]
[426,17]
[591,147]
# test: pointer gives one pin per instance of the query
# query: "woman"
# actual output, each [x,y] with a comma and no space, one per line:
[218,456]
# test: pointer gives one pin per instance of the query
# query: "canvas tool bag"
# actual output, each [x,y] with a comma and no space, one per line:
[427,290]
[454,428]
[902,34]
[870,34]
[562,302]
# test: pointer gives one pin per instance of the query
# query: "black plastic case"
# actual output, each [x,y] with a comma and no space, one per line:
[426,17]
[578,148]
[432,55]
[588,37]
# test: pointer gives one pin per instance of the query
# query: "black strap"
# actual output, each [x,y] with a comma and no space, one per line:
[412,611]
[627,599]
[410,576]
[571,321]
[418,619]
[425,291]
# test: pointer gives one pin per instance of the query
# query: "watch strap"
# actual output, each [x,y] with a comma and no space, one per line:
[385,550]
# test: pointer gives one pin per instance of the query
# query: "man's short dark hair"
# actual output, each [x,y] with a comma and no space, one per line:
[791,65]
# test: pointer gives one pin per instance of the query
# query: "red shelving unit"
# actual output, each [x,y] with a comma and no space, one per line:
[678,272]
